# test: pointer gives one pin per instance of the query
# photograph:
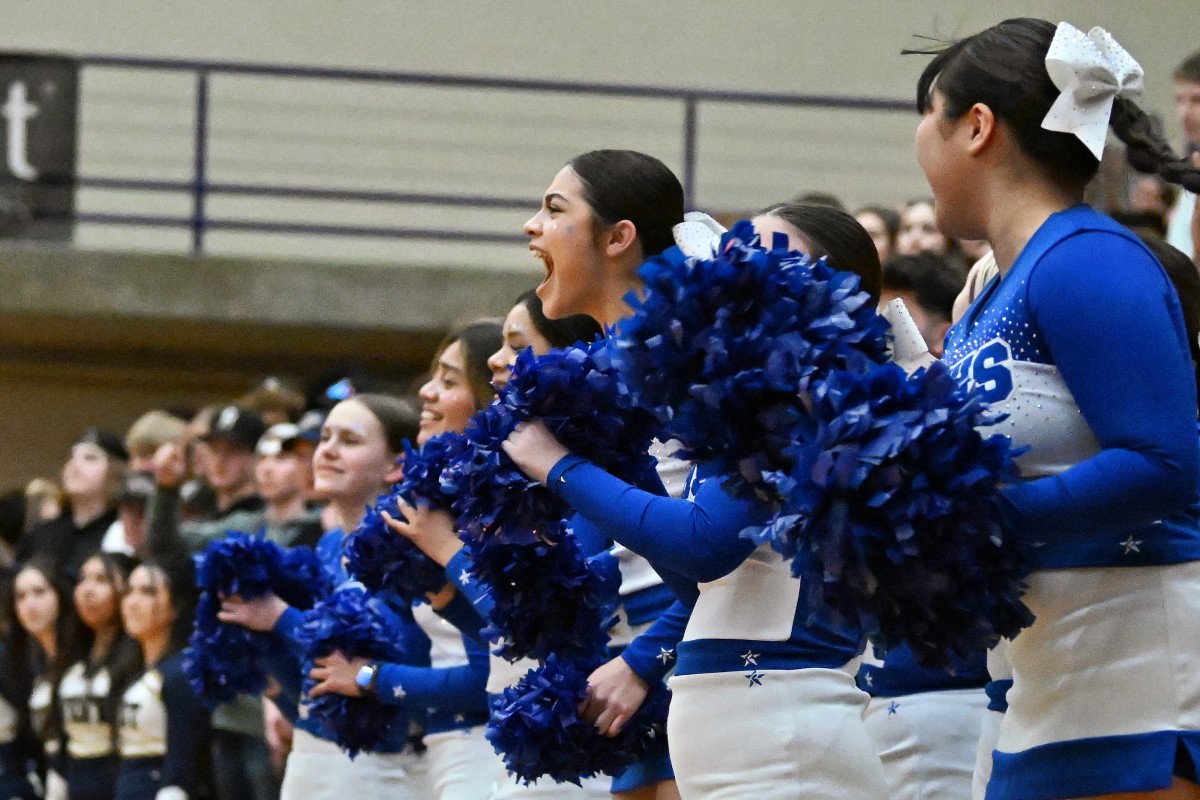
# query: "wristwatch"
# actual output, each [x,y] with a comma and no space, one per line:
[365,680]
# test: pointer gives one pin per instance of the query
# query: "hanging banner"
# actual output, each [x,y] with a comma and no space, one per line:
[39,98]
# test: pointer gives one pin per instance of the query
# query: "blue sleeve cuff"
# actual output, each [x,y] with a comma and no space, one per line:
[651,655]
[458,572]
[557,476]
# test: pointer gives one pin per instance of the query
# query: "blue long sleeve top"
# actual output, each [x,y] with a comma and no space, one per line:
[747,612]
[1082,344]
[285,667]
[452,690]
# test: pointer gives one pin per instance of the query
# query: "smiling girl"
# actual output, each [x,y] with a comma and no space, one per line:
[90,692]
[450,691]
[354,462]
[163,730]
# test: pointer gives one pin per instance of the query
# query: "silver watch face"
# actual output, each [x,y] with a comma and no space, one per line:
[365,673]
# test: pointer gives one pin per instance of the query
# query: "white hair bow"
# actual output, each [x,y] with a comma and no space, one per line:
[1091,70]
[699,235]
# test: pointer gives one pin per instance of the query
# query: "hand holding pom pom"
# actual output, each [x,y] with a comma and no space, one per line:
[537,727]
[375,554]
[259,614]
[432,532]
[533,448]
[245,580]
[355,625]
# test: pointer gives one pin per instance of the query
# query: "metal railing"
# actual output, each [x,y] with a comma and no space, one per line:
[201,188]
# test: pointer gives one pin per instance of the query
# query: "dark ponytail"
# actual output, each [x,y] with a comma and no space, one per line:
[1004,67]
[1147,150]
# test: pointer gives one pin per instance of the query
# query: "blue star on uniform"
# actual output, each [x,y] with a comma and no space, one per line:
[893,708]
[664,655]
[1132,545]
[464,578]
[398,692]
[755,678]
[750,657]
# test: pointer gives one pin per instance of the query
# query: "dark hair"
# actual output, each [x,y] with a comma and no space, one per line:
[888,216]
[1186,280]
[399,417]
[1142,222]
[836,236]
[934,281]
[12,516]
[628,185]
[562,332]
[478,340]
[1188,69]
[1004,67]
[819,198]
[124,658]
[179,579]
[24,659]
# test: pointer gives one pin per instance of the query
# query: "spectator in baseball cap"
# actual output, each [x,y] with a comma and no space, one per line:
[149,432]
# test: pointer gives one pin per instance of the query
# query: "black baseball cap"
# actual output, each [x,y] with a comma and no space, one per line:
[237,425]
[107,441]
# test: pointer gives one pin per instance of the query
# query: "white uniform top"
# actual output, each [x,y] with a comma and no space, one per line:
[40,700]
[80,697]
[143,729]
[446,643]
[9,720]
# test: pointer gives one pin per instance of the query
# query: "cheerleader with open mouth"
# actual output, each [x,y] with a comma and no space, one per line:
[764,701]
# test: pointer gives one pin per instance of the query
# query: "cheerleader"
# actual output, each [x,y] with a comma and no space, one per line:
[46,639]
[355,462]
[772,692]
[644,598]
[163,731]
[451,691]
[1081,342]
[89,694]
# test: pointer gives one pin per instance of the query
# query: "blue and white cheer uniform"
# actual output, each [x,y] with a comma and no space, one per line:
[1082,344]
[764,702]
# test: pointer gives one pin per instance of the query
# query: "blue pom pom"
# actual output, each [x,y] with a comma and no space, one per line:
[892,513]
[360,626]
[536,726]
[723,350]
[548,597]
[223,661]
[381,559]
[579,394]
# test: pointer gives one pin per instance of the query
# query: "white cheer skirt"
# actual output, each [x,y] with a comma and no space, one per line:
[783,735]
[1106,684]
